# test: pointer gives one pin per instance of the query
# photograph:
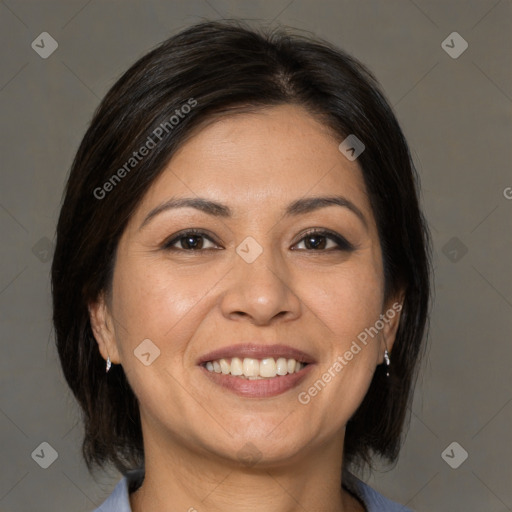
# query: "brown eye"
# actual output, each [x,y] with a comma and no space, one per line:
[325,241]
[191,240]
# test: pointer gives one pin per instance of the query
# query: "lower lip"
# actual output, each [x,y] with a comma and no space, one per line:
[260,388]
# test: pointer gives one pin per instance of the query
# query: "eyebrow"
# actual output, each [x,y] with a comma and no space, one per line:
[298,207]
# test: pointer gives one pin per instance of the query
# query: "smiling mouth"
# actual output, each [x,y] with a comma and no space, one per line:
[255,369]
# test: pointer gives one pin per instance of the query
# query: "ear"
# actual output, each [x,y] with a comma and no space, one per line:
[102,326]
[391,318]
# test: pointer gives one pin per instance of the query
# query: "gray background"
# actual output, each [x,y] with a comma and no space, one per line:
[456,114]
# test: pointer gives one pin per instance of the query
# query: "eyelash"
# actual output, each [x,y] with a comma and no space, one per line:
[342,243]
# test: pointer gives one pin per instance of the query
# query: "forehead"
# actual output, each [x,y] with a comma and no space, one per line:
[259,160]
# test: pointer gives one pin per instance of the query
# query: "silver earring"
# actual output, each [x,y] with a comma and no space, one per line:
[109,364]
[386,358]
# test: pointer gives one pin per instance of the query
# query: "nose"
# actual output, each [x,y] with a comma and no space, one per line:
[260,292]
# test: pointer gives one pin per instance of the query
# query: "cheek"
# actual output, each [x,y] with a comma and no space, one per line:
[345,303]
[156,303]
[348,300]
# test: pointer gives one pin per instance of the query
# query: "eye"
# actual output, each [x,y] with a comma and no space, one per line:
[195,240]
[318,240]
[189,240]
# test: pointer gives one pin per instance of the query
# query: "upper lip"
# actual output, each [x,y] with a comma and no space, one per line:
[257,352]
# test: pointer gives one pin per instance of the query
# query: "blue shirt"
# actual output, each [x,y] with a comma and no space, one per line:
[373,501]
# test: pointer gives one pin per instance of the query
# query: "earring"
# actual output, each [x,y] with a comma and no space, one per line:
[109,364]
[386,358]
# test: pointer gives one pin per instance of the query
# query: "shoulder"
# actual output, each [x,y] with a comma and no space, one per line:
[118,501]
[373,500]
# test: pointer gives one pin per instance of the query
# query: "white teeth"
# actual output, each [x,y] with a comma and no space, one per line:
[236,366]
[268,367]
[282,366]
[251,367]
[224,366]
[254,369]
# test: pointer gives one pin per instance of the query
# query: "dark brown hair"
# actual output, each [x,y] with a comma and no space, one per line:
[220,68]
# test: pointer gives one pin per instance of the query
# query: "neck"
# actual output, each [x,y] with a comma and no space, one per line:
[180,478]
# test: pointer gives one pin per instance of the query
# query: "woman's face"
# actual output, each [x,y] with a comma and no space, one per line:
[251,279]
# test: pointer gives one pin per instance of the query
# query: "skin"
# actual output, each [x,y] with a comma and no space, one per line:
[189,303]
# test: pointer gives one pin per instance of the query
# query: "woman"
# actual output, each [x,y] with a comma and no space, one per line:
[241,248]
